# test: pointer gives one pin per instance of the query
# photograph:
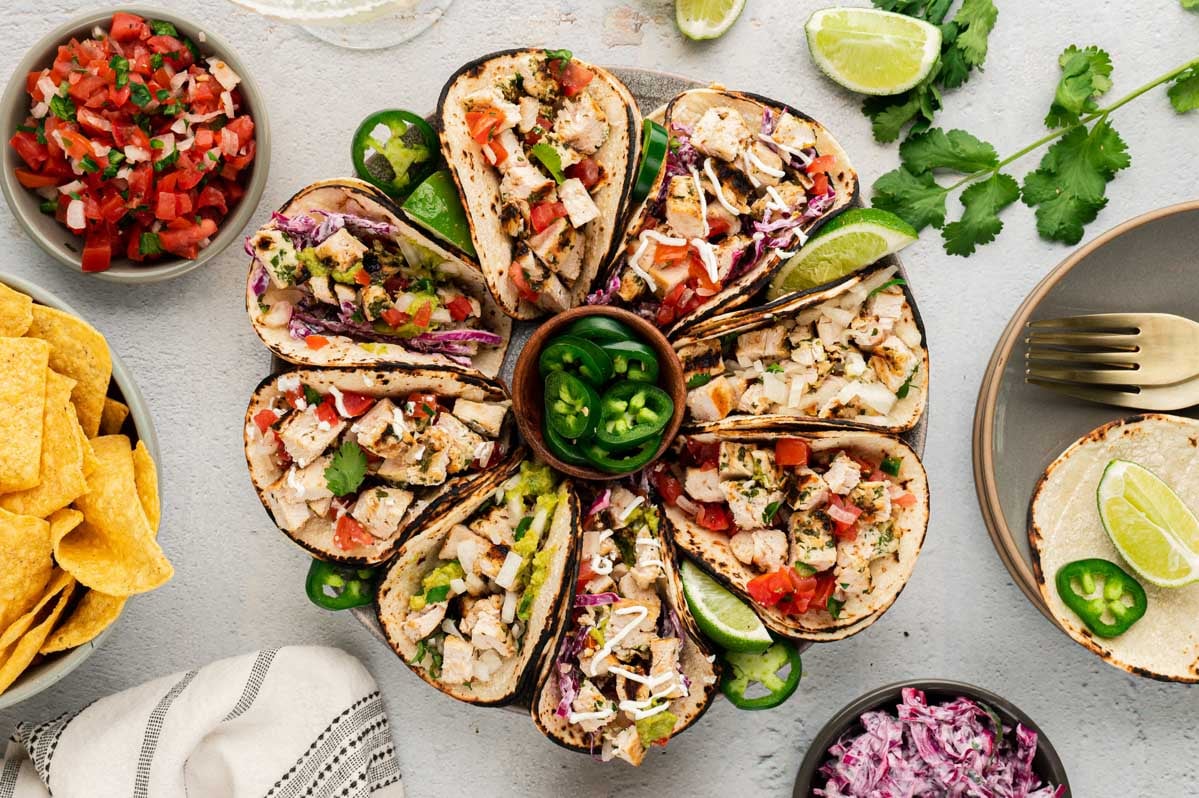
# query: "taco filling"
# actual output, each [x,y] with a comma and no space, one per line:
[324,273]
[619,668]
[805,525]
[540,127]
[854,357]
[735,192]
[471,612]
[366,464]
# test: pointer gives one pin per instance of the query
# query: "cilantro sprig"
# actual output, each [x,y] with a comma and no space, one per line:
[346,469]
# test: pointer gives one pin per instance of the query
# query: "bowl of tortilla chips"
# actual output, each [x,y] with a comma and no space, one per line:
[79,504]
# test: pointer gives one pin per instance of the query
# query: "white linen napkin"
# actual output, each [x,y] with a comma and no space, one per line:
[294,722]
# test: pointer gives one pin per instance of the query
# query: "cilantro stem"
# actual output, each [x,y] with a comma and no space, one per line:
[1061,131]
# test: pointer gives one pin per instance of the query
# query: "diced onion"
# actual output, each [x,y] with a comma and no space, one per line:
[686,505]
[458,586]
[75,218]
[450,628]
[468,550]
[508,611]
[839,515]
[511,567]
[134,154]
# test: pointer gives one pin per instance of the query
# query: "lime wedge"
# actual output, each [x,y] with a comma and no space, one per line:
[435,206]
[725,619]
[1149,525]
[706,19]
[870,51]
[852,241]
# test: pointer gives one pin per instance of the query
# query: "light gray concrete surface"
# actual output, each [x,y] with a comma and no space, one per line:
[238,583]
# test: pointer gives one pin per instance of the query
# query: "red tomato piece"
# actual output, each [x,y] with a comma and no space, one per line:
[791,452]
[395,318]
[27,147]
[355,404]
[185,239]
[349,534]
[820,185]
[128,27]
[264,419]
[715,516]
[523,287]
[905,500]
[543,215]
[587,171]
[326,411]
[30,179]
[460,308]
[571,76]
[843,527]
[423,315]
[482,123]
[421,406]
[97,250]
[667,485]
[316,341]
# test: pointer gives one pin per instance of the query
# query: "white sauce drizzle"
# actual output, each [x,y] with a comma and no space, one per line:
[703,201]
[614,640]
[626,512]
[601,565]
[770,170]
[717,189]
[338,396]
[708,257]
[578,717]
[645,237]
[749,172]
[800,154]
[649,681]
[776,200]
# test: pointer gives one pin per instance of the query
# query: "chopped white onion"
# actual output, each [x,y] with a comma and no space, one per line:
[508,611]
[135,154]
[840,515]
[468,550]
[75,219]
[223,73]
[457,586]
[69,188]
[511,567]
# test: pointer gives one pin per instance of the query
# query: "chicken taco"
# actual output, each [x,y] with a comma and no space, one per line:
[853,354]
[820,531]
[472,599]
[745,182]
[627,671]
[543,148]
[347,461]
[337,278]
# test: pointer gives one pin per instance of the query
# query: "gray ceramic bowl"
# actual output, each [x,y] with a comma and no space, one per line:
[1047,764]
[55,238]
[138,426]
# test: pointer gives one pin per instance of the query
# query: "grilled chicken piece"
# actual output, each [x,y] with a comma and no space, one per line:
[764,548]
[560,248]
[591,700]
[490,96]
[718,214]
[762,344]
[793,132]
[873,499]
[275,251]
[421,623]
[305,437]
[644,632]
[808,490]
[289,512]
[734,187]
[812,541]
[632,587]
[753,400]
[459,440]
[457,661]
[381,510]
[893,362]
[579,206]
[529,109]
[684,208]
[852,571]
[713,401]
[522,181]
[793,196]
[627,746]
[702,358]
[309,483]
[703,485]
[481,620]
[581,123]
[486,418]
[378,432]
[341,250]
[421,465]
[664,658]
[726,254]
[321,289]
[749,502]
[495,525]
[735,460]
[843,474]
[762,165]
[721,133]
[458,534]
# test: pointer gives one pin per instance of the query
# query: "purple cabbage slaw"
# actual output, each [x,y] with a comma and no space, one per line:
[947,749]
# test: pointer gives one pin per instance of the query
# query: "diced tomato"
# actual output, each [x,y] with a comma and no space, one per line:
[498,153]
[699,273]
[97,250]
[821,164]
[112,208]
[460,308]
[717,226]
[128,27]
[27,147]
[204,138]
[533,136]
[714,515]
[543,215]
[905,500]
[265,419]
[349,533]
[395,318]
[95,124]
[295,397]
[172,50]
[75,144]
[587,171]
[316,341]
[791,452]
[422,406]
[803,589]
[326,411]
[118,97]
[820,185]
[669,253]
[667,485]
[33,179]
[826,583]
[482,123]
[698,454]
[82,90]
[362,277]
[184,239]
[571,76]
[843,528]
[517,275]
[355,404]
[243,128]
[769,589]
[586,574]
[212,197]
[164,209]
[423,315]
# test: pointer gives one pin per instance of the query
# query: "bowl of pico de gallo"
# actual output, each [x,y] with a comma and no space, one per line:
[137,145]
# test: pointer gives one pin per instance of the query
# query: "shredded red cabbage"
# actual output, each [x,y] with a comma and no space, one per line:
[603,296]
[595,599]
[767,121]
[260,278]
[305,230]
[948,749]
[462,336]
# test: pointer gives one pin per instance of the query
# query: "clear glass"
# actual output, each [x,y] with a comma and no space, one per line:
[356,24]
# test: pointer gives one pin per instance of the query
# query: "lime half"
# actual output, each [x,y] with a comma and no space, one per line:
[852,241]
[706,19]
[725,619]
[870,51]
[435,206]
[1149,525]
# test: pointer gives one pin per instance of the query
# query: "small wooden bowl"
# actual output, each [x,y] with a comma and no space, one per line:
[528,387]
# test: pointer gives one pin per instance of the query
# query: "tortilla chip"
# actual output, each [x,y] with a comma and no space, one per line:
[113,417]
[145,475]
[25,549]
[94,613]
[81,353]
[62,479]
[16,312]
[22,640]
[113,550]
[90,463]
[23,399]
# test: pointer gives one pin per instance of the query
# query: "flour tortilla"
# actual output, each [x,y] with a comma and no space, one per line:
[890,574]
[348,195]
[416,558]
[1064,526]
[478,182]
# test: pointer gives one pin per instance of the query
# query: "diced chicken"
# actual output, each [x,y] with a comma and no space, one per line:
[457,661]
[907,331]
[589,701]
[762,165]
[702,358]
[459,440]
[309,483]
[381,510]
[374,300]
[581,123]
[633,586]
[713,401]
[627,746]
[808,490]
[522,181]
[893,362]
[619,503]
[481,621]
[514,216]
[812,541]
[530,109]
[718,214]
[423,622]
[667,274]
[735,460]
[553,295]
[290,513]
[765,343]
[726,253]
[749,502]
[703,485]
[490,97]
[735,188]
[496,525]
[766,472]
[490,559]
[753,400]
[421,465]
[579,206]
[879,540]
[306,437]
[852,572]
[344,293]
[873,499]
[458,534]
[321,290]
[377,424]
[514,154]
[886,305]
[560,248]
[643,632]
[721,133]
[793,197]
[843,474]
[764,548]
[320,507]
[684,208]
[277,254]
[535,78]
[793,132]
[341,250]
[664,658]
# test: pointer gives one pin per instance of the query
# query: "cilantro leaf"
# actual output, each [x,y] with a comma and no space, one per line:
[974,19]
[917,199]
[550,159]
[1184,91]
[890,115]
[980,222]
[954,69]
[346,470]
[929,10]
[1086,74]
[938,149]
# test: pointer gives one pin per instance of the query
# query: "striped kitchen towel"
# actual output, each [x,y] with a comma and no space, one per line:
[294,722]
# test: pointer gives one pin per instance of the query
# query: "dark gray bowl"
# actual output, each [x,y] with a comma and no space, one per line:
[55,238]
[1047,763]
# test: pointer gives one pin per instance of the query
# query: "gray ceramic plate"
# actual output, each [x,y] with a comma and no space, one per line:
[1146,264]
[139,426]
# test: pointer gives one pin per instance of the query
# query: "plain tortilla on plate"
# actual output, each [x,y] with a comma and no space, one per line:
[1064,526]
